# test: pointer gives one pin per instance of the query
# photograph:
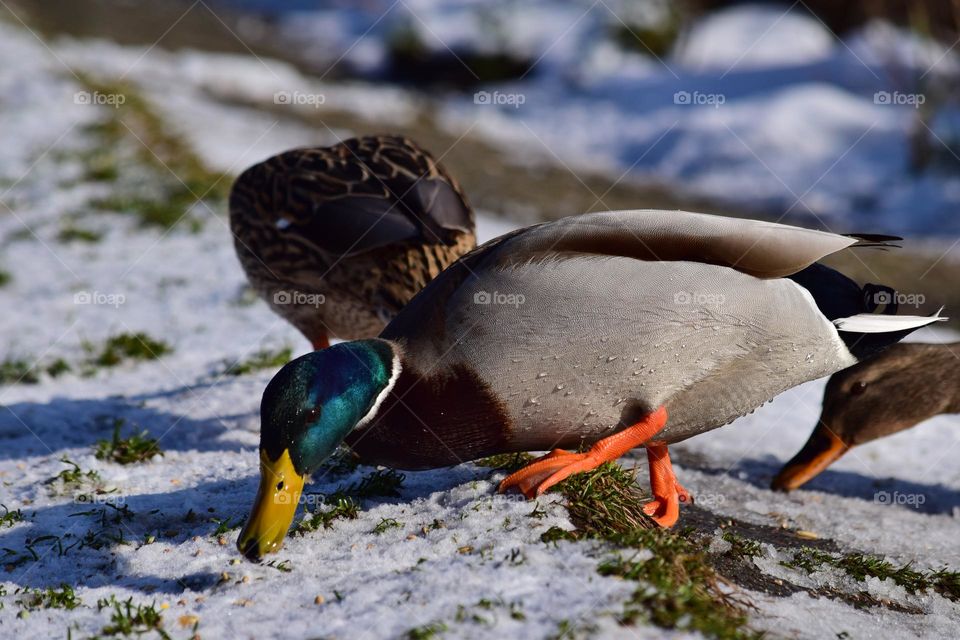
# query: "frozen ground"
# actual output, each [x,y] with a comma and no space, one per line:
[457,544]
[754,105]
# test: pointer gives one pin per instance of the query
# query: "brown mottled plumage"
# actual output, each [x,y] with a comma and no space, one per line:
[338,239]
[897,389]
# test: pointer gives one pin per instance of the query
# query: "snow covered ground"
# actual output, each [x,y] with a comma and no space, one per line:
[754,105]
[448,551]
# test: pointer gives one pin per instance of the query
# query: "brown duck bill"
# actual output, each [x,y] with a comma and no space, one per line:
[822,449]
[274,507]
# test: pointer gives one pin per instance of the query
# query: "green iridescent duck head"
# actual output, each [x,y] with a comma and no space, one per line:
[307,410]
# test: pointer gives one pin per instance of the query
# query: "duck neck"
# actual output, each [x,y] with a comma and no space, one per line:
[951,368]
[388,358]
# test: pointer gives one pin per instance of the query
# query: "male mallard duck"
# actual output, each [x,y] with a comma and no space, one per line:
[338,239]
[589,330]
[897,389]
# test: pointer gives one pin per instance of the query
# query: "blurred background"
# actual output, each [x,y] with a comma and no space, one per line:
[840,116]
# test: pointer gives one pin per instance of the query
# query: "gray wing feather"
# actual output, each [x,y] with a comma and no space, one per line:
[762,249]
[583,325]
[597,342]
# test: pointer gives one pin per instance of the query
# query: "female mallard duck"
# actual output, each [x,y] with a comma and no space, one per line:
[338,239]
[590,330]
[893,391]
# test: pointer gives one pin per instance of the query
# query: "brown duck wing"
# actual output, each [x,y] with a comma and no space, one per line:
[356,196]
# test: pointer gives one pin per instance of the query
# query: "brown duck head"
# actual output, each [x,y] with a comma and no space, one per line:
[901,387]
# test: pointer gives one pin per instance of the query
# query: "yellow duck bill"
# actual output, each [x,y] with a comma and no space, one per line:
[274,508]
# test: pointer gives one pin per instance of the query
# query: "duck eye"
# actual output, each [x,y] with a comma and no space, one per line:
[858,388]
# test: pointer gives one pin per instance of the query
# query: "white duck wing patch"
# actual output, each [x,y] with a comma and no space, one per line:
[877,323]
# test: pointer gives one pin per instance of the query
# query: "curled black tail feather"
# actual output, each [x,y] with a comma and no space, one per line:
[837,296]
[875,240]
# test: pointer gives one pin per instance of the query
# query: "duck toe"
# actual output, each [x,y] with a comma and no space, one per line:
[538,476]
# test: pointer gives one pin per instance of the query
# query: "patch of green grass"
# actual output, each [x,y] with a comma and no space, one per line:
[126,346]
[5,278]
[18,371]
[138,447]
[508,462]
[469,614]
[567,630]
[102,165]
[861,566]
[426,632]
[946,583]
[70,233]
[679,588]
[57,368]
[21,371]
[342,509]
[464,614]
[386,524]
[49,598]
[742,547]
[262,359]
[808,559]
[54,543]
[75,477]
[108,513]
[151,212]
[137,136]
[99,539]
[127,619]
[10,518]
[344,503]
[282,566]
[556,534]
[223,526]
[376,484]
[606,502]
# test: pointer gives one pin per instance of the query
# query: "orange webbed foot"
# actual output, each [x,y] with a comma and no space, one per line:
[558,465]
[546,471]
